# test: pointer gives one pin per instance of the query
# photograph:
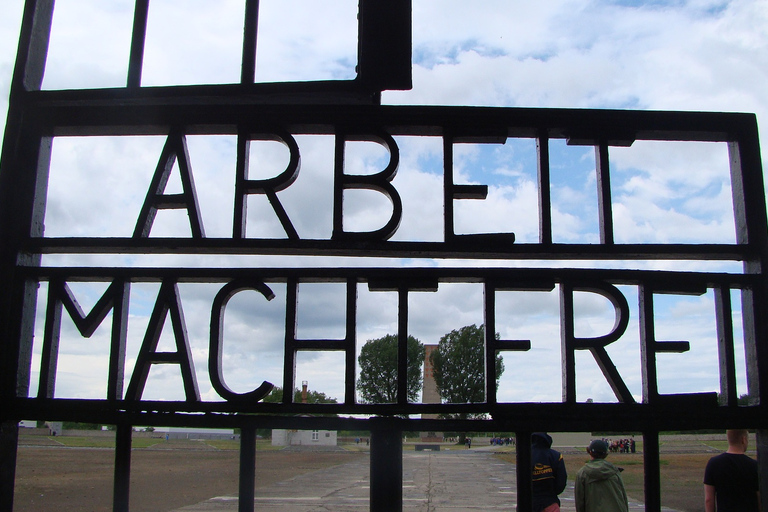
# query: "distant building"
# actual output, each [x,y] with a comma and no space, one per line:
[282,437]
[57,427]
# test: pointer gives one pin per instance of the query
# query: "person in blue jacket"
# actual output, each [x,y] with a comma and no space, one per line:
[548,473]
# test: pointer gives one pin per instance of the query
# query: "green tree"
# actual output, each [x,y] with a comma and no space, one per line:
[313,397]
[378,369]
[458,365]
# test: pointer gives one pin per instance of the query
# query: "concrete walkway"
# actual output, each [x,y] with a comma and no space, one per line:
[446,481]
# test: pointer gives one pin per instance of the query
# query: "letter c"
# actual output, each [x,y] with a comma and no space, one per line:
[215,352]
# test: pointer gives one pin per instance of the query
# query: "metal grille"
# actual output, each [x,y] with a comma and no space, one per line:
[349,112]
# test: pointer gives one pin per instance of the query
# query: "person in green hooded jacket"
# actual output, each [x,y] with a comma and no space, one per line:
[599,487]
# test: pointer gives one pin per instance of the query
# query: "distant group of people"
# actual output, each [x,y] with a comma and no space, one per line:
[622,445]
[730,479]
[502,441]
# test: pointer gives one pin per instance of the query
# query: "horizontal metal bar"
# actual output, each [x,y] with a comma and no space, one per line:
[685,412]
[527,277]
[452,249]
[210,111]
[311,92]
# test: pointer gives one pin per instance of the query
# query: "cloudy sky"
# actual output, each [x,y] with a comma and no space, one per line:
[697,55]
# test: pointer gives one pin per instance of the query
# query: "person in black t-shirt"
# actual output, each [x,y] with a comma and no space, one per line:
[730,479]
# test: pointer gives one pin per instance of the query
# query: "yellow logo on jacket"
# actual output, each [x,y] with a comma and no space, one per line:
[542,471]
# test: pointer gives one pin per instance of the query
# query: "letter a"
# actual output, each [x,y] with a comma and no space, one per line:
[168,300]
[175,148]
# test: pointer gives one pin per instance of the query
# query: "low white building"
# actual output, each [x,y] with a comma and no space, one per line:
[281,437]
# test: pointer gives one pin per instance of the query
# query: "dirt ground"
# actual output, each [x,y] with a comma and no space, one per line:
[172,475]
[80,479]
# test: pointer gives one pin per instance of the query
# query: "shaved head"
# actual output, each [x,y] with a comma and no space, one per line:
[735,436]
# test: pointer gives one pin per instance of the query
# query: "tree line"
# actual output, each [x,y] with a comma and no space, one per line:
[458,366]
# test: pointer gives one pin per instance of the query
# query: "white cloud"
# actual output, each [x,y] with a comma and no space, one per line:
[307,40]
[97,57]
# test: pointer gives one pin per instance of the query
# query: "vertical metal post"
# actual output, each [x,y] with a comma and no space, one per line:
[647,346]
[545,199]
[489,311]
[605,208]
[652,473]
[567,351]
[24,161]
[9,437]
[723,314]
[247,469]
[752,229]
[523,472]
[289,359]
[448,192]
[138,39]
[350,341]
[747,187]
[386,468]
[250,29]
[122,480]
[402,345]
[384,44]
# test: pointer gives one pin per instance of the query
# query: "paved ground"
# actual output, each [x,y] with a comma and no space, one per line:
[432,482]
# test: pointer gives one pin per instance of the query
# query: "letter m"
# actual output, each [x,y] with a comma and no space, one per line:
[114,298]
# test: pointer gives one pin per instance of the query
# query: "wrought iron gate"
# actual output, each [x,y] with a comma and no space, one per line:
[350,111]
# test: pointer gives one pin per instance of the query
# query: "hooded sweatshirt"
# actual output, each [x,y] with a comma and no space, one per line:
[548,471]
[599,488]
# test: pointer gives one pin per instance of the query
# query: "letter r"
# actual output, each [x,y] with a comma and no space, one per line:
[570,343]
